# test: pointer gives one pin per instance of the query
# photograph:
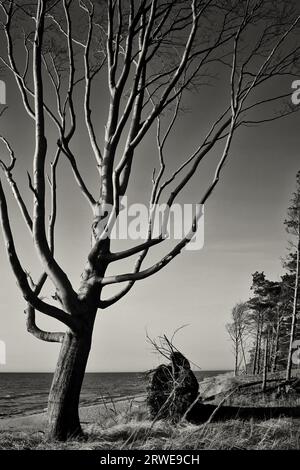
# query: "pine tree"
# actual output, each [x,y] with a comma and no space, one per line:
[265,319]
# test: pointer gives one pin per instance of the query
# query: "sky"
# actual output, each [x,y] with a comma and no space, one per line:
[244,233]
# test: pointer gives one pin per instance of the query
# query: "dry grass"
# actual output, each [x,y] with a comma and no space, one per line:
[132,430]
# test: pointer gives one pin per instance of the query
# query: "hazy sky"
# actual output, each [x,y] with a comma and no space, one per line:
[244,232]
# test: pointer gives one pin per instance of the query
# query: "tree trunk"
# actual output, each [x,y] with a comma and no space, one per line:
[294,315]
[276,347]
[63,403]
[236,364]
[259,353]
[265,367]
[243,354]
[256,350]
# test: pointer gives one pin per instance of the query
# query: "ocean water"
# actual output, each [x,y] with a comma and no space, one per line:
[26,393]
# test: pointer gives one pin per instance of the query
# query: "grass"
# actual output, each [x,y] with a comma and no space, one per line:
[131,429]
[267,400]
[128,427]
[251,395]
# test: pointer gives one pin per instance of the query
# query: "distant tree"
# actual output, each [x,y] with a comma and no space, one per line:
[265,319]
[283,324]
[292,224]
[258,308]
[152,53]
[238,330]
[270,332]
[280,309]
[273,322]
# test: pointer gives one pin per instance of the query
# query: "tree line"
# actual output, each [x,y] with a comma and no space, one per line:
[264,330]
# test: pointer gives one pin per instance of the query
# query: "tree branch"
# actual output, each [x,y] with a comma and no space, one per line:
[20,274]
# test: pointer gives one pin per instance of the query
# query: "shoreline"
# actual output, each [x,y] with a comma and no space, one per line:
[87,403]
[207,385]
[115,412]
[89,412]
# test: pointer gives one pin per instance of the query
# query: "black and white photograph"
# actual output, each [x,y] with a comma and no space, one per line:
[150,228]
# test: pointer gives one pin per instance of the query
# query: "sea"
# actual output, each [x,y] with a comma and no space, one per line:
[27,393]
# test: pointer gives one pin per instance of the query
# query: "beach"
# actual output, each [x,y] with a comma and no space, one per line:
[24,394]
[94,409]
[128,427]
[124,423]
[89,415]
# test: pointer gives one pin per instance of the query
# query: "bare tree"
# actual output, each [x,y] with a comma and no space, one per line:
[152,53]
[238,332]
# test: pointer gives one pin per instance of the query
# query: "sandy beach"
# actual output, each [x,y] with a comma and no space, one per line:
[93,413]
[124,423]
[89,414]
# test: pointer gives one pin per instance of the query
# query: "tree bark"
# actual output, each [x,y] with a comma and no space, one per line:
[256,351]
[265,367]
[236,364]
[276,346]
[259,352]
[63,403]
[243,354]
